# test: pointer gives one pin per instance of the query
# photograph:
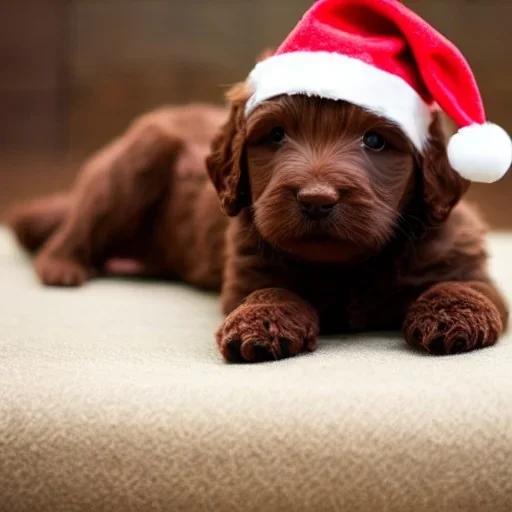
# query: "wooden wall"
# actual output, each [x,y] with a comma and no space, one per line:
[73,73]
[33,106]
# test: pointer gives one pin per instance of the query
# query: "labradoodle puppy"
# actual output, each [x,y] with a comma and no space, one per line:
[309,215]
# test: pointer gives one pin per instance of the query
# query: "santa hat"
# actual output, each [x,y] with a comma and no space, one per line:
[381,56]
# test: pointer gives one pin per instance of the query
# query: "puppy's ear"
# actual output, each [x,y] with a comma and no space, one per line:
[442,186]
[226,161]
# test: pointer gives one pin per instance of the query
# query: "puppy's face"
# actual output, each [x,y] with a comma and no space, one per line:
[327,179]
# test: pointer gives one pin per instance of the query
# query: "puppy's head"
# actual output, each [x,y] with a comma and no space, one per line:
[326,180]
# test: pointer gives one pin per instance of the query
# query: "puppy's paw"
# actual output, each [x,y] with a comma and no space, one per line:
[255,332]
[60,272]
[451,318]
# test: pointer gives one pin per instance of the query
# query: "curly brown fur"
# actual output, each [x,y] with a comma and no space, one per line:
[265,327]
[394,249]
[453,317]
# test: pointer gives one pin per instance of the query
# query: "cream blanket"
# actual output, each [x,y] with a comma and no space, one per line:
[114,398]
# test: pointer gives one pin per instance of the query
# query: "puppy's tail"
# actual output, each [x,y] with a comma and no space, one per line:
[33,222]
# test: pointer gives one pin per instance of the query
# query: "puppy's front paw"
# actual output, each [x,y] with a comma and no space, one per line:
[266,332]
[60,272]
[451,318]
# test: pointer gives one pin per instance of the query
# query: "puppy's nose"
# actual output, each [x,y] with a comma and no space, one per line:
[318,201]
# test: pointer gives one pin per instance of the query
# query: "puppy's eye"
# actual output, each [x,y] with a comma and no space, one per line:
[374,141]
[277,135]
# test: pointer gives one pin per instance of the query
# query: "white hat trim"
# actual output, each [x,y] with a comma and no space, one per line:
[338,77]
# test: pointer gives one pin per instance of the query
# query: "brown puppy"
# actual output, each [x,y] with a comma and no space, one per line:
[337,225]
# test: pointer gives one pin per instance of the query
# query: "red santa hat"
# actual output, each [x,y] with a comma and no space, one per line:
[381,56]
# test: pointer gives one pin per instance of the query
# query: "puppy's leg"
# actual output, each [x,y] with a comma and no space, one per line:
[456,317]
[111,197]
[34,221]
[270,324]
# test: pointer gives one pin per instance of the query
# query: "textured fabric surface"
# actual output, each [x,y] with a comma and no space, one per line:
[114,398]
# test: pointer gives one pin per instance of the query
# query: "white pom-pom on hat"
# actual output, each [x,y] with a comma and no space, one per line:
[481,152]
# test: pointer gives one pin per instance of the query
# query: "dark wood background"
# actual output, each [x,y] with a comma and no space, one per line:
[73,73]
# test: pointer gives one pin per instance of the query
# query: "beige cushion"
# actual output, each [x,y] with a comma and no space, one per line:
[114,398]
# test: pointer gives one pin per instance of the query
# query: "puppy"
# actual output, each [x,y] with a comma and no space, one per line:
[322,218]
